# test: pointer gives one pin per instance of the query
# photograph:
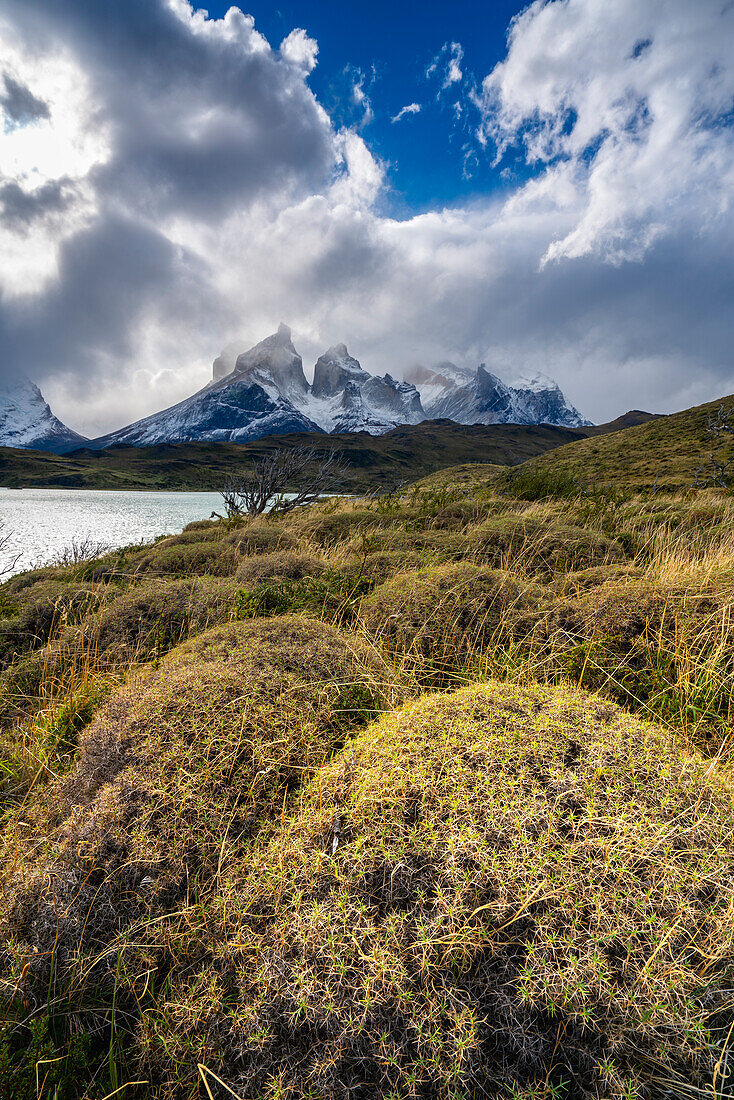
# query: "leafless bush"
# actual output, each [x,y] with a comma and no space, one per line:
[715,472]
[8,558]
[81,549]
[310,472]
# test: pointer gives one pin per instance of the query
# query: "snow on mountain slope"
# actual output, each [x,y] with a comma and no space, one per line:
[27,421]
[346,398]
[486,399]
[276,359]
[264,391]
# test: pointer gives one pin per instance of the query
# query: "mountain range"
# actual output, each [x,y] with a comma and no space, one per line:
[264,391]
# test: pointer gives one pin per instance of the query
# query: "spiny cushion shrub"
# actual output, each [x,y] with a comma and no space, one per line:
[380,565]
[41,610]
[151,617]
[333,594]
[537,482]
[667,647]
[179,761]
[450,612]
[212,556]
[142,622]
[281,565]
[260,537]
[499,892]
[326,526]
[542,546]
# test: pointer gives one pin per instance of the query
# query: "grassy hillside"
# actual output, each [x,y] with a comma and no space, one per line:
[427,795]
[404,454]
[664,451]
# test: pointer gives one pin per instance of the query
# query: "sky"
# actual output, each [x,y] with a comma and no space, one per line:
[540,188]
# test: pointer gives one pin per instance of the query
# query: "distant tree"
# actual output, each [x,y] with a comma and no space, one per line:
[8,560]
[307,472]
[715,471]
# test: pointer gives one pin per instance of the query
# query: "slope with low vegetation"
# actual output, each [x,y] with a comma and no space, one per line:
[401,455]
[421,795]
[664,452]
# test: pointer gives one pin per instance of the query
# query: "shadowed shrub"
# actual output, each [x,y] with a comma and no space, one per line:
[178,765]
[327,527]
[44,609]
[663,647]
[212,556]
[498,892]
[282,565]
[537,545]
[151,617]
[447,614]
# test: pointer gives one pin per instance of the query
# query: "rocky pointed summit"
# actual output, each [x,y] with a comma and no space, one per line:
[26,420]
[483,398]
[275,360]
[264,391]
[347,398]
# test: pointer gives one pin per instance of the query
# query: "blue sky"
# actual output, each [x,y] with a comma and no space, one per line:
[433,156]
[173,182]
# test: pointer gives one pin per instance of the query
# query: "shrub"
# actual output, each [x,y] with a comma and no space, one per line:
[151,617]
[213,557]
[176,770]
[326,527]
[541,546]
[498,892]
[449,613]
[42,610]
[282,565]
[664,648]
[333,594]
[528,482]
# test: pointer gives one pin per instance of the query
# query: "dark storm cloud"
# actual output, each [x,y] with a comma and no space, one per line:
[198,121]
[19,104]
[19,208]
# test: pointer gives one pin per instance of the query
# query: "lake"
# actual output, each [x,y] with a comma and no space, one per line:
[43,522]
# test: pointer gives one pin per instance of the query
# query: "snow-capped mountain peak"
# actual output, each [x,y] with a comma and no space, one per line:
[265,392]
[536,382]
[275,357]
[334,369]
[483,398]
[26,420]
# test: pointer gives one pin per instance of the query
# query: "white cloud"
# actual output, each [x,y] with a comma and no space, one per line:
[448,63]
[300,50]
[408,109]
[361,99]
[453,69]
[217,198]
[626,105]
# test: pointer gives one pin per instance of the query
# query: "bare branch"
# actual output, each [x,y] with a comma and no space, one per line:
[7,564]
[715,472]
[307,471]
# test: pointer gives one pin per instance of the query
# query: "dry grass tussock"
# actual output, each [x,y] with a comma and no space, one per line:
[177,768]
[437,619]
[518,890]
[502,891]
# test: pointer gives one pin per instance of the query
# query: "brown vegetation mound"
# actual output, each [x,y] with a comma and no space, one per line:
[535,545]
[498,892]
[448,613]
[176,762]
